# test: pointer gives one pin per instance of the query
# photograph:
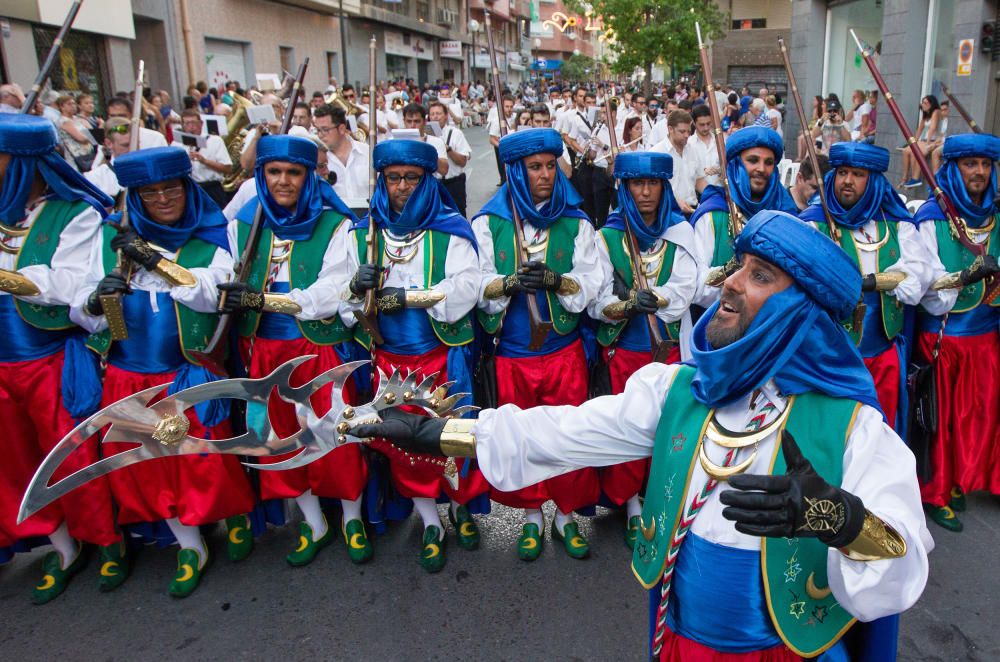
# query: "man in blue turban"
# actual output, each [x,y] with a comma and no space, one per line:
[777,492]
[647,211]
[752,156]
[49,219]
[875,230]
[426,276]
[563,275]
[290,307]
[176,238]
[957,326]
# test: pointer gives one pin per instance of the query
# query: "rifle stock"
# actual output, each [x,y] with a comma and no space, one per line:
[368,316]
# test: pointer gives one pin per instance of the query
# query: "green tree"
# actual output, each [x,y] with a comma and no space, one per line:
[645,32]
[577,69]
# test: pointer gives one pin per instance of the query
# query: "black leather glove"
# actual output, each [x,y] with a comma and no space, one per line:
[644,303]
[367,277]
[512,285]
[412,432]
[136,248]
[538,276]
[868,283]
[240,297]
[619,287]
[979,270]
[796,505]
[113,283]
[390,300]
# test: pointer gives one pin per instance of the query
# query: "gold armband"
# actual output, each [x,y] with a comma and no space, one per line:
[174,274]
[279,303]
[718,275]
[616,311]
[952,281]
[876,541]
[457,438]
[886,281]
[423,298]
[18,284]
[567,286]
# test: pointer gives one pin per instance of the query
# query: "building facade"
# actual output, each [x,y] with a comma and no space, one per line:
[558,33]
[749,55]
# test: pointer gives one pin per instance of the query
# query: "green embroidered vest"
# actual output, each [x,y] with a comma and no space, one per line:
[723,251]
[195,329]
[304,264]
[820,425]
[614,240]
[887,255]
[558,257]
[435,250]
[38,248]
[955,257]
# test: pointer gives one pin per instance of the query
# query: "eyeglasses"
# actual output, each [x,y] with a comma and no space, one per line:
[121,128]
[411,178]
[323,130]
[171,193]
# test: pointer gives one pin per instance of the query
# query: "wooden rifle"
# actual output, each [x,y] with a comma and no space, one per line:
[213,357]
[539,327]
[114,314]
[961,110]
[368,315]
[658,346]
[50,59]
[810,144]
[944,202]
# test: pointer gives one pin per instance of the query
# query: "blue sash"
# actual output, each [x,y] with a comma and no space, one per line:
[154,344]
[514,336]
[278,326]
[408,332]
[873,338]
[635,336]
[981,319]
[23,342]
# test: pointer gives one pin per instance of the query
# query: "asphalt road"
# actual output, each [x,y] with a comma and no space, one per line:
[485,605]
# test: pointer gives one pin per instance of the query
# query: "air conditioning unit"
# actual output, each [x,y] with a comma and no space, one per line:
[447,16]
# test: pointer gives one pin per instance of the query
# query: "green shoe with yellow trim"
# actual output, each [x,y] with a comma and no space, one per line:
[359,548]
[574,543]
[529,543]
[190,568]
[432,556]
[945,517]
[240,537]
[55,579]
[465,527]
[114,566]
[957,501]
[632,531]
[308,548]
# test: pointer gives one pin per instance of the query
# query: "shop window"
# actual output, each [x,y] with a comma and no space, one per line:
[287,58]
[81,66]
[749,23]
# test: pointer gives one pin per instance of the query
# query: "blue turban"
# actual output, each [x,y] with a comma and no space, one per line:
[795,338]
[565,200]
[429,207]
[315,197]
[641,165]
[775,197]
[31,141]
[879,196]
[202,217]
[949,178]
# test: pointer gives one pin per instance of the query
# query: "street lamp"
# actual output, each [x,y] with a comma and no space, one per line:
[474,28]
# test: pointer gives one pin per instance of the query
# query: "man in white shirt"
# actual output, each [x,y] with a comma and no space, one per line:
[302,116]
[209,164]
[541,119]
[493,124]
[458,151]
[705,156]
[455,113]
[685,161]
[122,108]
[117,134]
[347,158]
[415,117]
[576,132]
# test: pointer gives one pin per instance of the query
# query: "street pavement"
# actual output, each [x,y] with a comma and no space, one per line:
[485,605]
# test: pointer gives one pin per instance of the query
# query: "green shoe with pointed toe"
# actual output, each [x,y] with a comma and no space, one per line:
[632,531]
[432,557]
[190,568]
[359,548]
[308,548]
[957,501]
[945,517]
[575,544]
[465,527]
[114,566]
[529,543]
[240,537]
[55,579]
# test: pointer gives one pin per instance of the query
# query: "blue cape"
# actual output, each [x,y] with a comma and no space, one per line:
[878,196]
[316,196]
[202,219]
[565,200]
[713,198]
[64,182]
[949,178]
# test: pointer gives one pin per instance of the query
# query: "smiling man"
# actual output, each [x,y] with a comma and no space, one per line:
[957,323]
[878,235]
[289,307]
[775,482]
[752,156]
[177,239]
[563,275]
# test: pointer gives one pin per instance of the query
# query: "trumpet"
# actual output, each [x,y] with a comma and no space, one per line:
[337,100]
[398,103]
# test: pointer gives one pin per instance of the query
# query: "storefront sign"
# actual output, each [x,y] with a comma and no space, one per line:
[452,49]
[418,47]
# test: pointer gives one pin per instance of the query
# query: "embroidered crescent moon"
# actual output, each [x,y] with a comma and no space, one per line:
[816,593]
[648,532]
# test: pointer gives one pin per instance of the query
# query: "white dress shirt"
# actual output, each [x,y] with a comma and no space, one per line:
[352,177]
[453,137]
[684,171]
[214,150]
